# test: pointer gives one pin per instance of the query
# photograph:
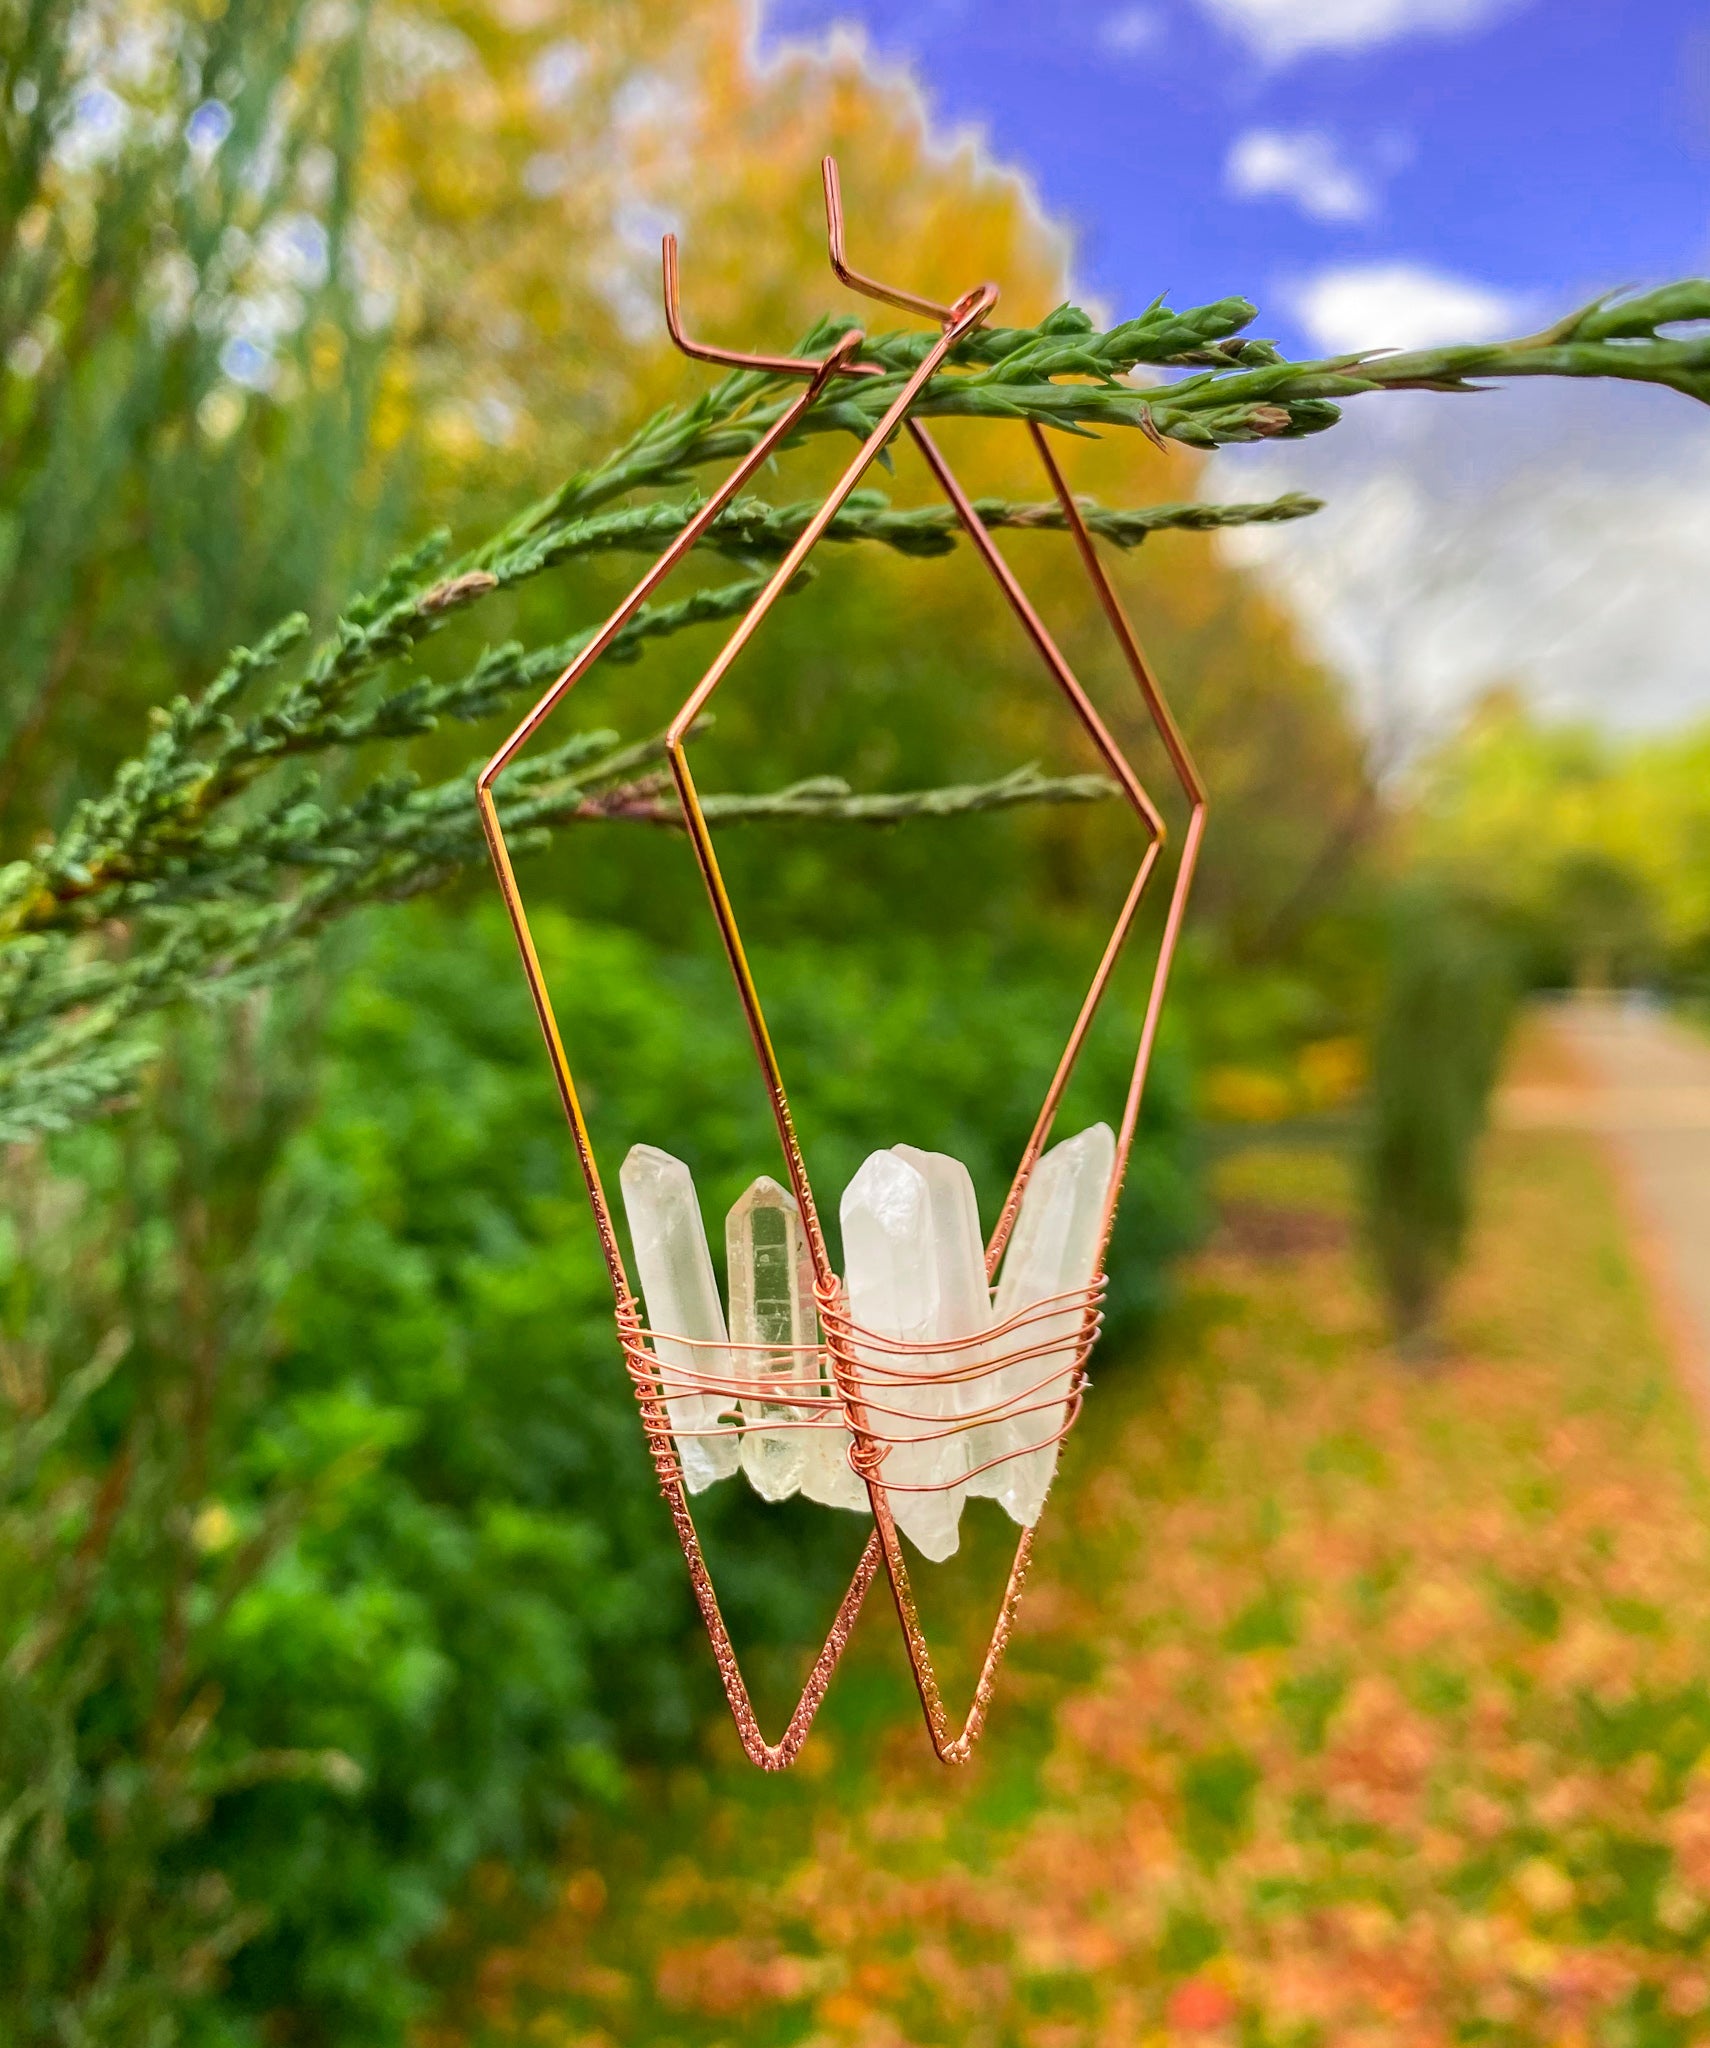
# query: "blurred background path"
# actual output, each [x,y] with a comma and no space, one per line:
[1637,1077]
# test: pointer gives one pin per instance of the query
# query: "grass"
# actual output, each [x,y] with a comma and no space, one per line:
[1349,1706]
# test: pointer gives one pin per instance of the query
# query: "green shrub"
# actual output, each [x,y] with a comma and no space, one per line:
[1447,998]
[433,1602]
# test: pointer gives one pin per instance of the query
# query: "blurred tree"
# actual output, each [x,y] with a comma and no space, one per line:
[1606,920]
[189,344]
[1443,1019]
[524,160]
[1594,848]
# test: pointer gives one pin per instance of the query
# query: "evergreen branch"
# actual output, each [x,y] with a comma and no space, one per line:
[751,529]
[381,842]
[157,830]
[206,865]
[1245,390]
[828,799]
[824,799]
[397,839]
[157,822]
[71,1042]
[1066,374]
[1620,336]
[203,756]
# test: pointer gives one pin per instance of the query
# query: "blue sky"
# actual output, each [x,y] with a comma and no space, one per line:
[1394,172]
[1537,150]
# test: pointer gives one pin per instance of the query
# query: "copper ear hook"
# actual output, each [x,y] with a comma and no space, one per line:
[871,287]
[740,359]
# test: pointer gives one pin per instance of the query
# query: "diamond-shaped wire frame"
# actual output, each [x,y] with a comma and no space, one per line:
[955,1748]
[955,1745]
[956,321]
[644,1367]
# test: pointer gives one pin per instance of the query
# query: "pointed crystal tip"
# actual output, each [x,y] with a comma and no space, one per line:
[1053,1250]
[644,1163]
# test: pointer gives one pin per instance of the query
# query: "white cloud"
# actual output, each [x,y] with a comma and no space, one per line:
[1268,163]
[1282,29]
[1556,538]
[1131,30]
[1399,305]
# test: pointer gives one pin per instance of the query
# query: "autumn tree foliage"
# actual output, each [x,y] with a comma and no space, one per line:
[329,1551]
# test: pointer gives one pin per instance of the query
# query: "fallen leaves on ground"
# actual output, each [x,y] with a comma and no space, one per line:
[1350,1706]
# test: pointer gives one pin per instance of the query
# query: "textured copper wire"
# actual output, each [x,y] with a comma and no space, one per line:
[848,1367]
[868,287]
[1033,1335]
[770,1756]
[850,1353]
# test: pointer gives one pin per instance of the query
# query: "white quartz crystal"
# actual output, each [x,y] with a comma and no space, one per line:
[892,1277]
[964,1299]
[827,1475]
[1054,1250]
[771,1302]
[680,1292]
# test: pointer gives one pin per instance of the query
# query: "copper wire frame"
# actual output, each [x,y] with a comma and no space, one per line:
[784,1378]
[850,1360]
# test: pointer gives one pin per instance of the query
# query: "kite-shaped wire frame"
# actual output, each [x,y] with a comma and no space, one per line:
[855,1357]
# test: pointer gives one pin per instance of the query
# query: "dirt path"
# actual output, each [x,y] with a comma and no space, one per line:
[1641,1081]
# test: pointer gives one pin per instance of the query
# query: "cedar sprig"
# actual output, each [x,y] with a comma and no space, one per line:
[218,852]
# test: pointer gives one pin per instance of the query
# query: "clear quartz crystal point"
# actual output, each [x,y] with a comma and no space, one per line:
[771,1302]
[681,1296]
[1054,1250]
[827,1475]
[964,1300]
[892,1280]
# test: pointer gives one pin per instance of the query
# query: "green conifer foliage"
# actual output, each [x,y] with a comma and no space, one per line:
[237,833]
[187,353]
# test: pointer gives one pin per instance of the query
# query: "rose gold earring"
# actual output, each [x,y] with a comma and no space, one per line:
[863,1365]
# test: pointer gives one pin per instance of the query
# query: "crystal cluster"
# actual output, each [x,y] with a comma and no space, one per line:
[915,1275]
